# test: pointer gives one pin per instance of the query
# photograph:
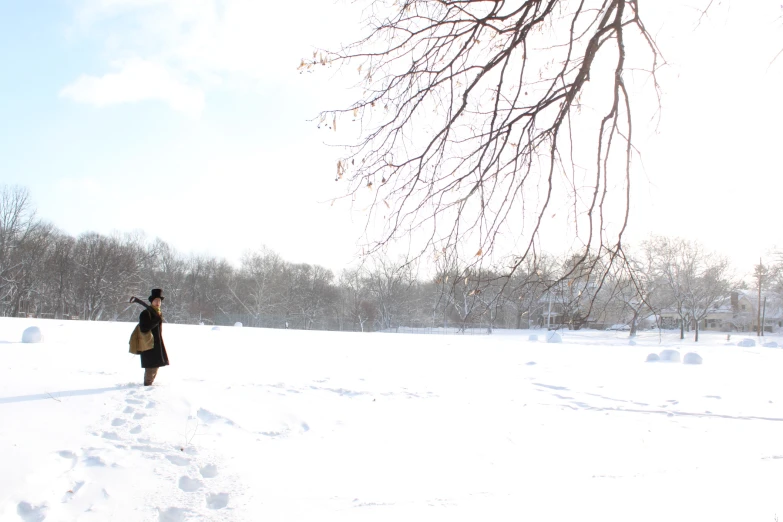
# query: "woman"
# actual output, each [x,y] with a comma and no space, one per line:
[151,319]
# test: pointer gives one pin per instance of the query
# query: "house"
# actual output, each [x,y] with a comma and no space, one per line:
[738,313]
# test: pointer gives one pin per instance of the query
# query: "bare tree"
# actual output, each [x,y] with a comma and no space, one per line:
[217,287]
[469,293]
[528,291]
[59,270]
[671,264]
[698,281]
[762,277]
[30,256]
[709,287]
[572,288]
[263,273]
[390,284]
[107,270]
[164,268]
[17,222]
[630,290]
[459,287]
[310,294]
[357,297]
[480,117]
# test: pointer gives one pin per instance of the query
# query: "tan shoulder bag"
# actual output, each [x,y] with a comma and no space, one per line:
[141,342]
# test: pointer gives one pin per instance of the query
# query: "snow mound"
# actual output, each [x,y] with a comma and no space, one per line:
[216,328]
[653,357]
[771,344]
[632,342]
[692,358]
[670,356]
[32,335]
[553,337]
[746,343]
[532,337]
[238,324]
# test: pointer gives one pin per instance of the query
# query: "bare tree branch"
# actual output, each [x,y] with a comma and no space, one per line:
[469,111]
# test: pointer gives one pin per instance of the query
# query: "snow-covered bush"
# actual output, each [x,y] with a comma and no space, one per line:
[653,357]
[771,344]
[692,358]
[553,337]
[670,356]
[32,335]
[746,343]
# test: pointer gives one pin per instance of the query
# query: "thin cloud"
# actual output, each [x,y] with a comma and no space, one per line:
[215,44]
[136,81]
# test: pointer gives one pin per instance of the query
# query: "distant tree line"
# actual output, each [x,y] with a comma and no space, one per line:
[49,274]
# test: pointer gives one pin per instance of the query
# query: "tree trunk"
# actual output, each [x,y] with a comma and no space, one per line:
[633,324]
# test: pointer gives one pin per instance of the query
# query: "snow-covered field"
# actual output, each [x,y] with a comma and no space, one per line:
[282,425]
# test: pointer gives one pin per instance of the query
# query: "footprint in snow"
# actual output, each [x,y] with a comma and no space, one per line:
[118,422]
[149,449]
[110,435]
[177,460]
[217,500]
[67,454]
[189,485]
[139,415]
[209,417]
[209,471]
[136,430]
[30,513]
[94,462]
[134,401]
[73,491]
[151,405]
[174,514]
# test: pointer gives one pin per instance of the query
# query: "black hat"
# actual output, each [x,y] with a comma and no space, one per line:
[157,293]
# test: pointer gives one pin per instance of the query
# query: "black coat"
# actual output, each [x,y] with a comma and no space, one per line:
[156,357]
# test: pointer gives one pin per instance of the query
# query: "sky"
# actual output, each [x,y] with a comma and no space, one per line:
[188,120]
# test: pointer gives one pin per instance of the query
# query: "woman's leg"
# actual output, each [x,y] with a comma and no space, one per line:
[149,375]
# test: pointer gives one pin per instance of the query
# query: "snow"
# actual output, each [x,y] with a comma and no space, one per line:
[692,358]
[670,356]
[32,335]
[256,424]
[554,337]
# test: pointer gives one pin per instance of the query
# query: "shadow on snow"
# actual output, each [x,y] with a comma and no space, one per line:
[62,394]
